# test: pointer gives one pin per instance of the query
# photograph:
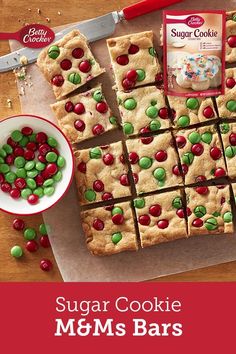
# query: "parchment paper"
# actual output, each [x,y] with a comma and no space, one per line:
[67,239]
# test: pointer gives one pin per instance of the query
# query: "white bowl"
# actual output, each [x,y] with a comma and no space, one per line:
[21,206]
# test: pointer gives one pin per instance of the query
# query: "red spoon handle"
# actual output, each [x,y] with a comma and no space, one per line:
[146,6]
[9,35]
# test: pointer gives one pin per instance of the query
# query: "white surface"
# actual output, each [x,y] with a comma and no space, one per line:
[21,206]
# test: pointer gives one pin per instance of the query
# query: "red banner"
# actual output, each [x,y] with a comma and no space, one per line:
[109,318]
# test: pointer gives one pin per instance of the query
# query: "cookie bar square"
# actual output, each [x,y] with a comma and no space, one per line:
[109,230]
[153,162]
[228,135]
[143,109]
[68,64]
[161,218]
[101,173]
[201,154]
[84,116]
[133,59]
[226,103]
[209,210]
[189,111]
[230,48]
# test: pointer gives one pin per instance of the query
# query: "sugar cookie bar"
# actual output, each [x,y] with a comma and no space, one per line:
[228,134]
[142,110]
[110,230]
[189,111]
[101,173]
[133,59]
[154,162]
[84,116]
[161,218]
[226,103]
[201,154]
[68,64]
[209,210]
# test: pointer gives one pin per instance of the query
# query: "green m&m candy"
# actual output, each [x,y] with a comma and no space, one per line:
[116,237]
[32,174]
[187,158]
[49,191]
[51,156]
[10,177]
[24,141]
[152,52]
[58,176]
[194,137]
[25,193]
[113,120]
[95,153]
[141,74]
[117,210]
[130,104]
[4,168]
[29,234]
[151,112]
[128,128]
[224,128]
[48,183]
[52,142]
[16,135]
[19,162]
[155,125]
[139,203]
[90,195]
[7,148]
[159,173]
[231,105]
[16,251]
[40,166]
[200,211]
[3,153]
[21,173]
[145,162]
[53,52]
[98,96]
[61,161]
[44,229]
[228,217]
[177,202]
[74,78]
[206,137]
[39,192]
[183,121]
[211,224]
[192,103]
[29,165]
[216,213]
[32,138]
[31,183]
[230,151]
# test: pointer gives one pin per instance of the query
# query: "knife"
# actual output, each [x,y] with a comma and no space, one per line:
[94,29]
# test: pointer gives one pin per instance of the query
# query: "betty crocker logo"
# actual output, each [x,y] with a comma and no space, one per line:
[194,21]
[32,36]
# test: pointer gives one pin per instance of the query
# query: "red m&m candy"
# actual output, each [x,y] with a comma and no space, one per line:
[66,64]
[230,82]
[85,66]
[208,112]
[133,49]
[122,59]
[98,224]
[46,265]
[144,220]
[18,224]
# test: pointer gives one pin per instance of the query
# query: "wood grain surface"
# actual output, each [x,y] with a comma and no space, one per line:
[14,14]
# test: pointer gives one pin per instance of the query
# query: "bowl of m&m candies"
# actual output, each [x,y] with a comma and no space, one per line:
[36,164]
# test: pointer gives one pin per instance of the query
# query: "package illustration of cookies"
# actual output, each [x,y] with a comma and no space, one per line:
[157,217]
[194,53]
[209,210]
[84,116]
[226,103]
[110,230]
[68,64]
[133,59]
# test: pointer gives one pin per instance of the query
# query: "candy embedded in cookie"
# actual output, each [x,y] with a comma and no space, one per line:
[228,135]
[68,64]
[154,163]
[226,103]
[110,230]
[84,116]
[209,210]
[201,154]
[230,37]
[161,218]
[198,71]
[134,60]
[101,173]
[143,108]
[192,110]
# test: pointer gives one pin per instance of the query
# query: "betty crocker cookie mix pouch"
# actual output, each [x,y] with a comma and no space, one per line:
[194,53]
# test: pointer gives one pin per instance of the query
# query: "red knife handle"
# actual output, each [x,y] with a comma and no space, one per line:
[146,6]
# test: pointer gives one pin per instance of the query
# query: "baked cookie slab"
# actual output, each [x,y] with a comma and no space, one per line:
[201,154]
[110,230]
[230,55]
[189,111]
[161,218]
[226,103]
[68,64]
[153,162]
[133,59]
[228,135]
[101,173]
[143,109]
[209,210]
[84,116]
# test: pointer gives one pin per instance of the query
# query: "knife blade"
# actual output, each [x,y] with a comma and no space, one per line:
[94,29]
